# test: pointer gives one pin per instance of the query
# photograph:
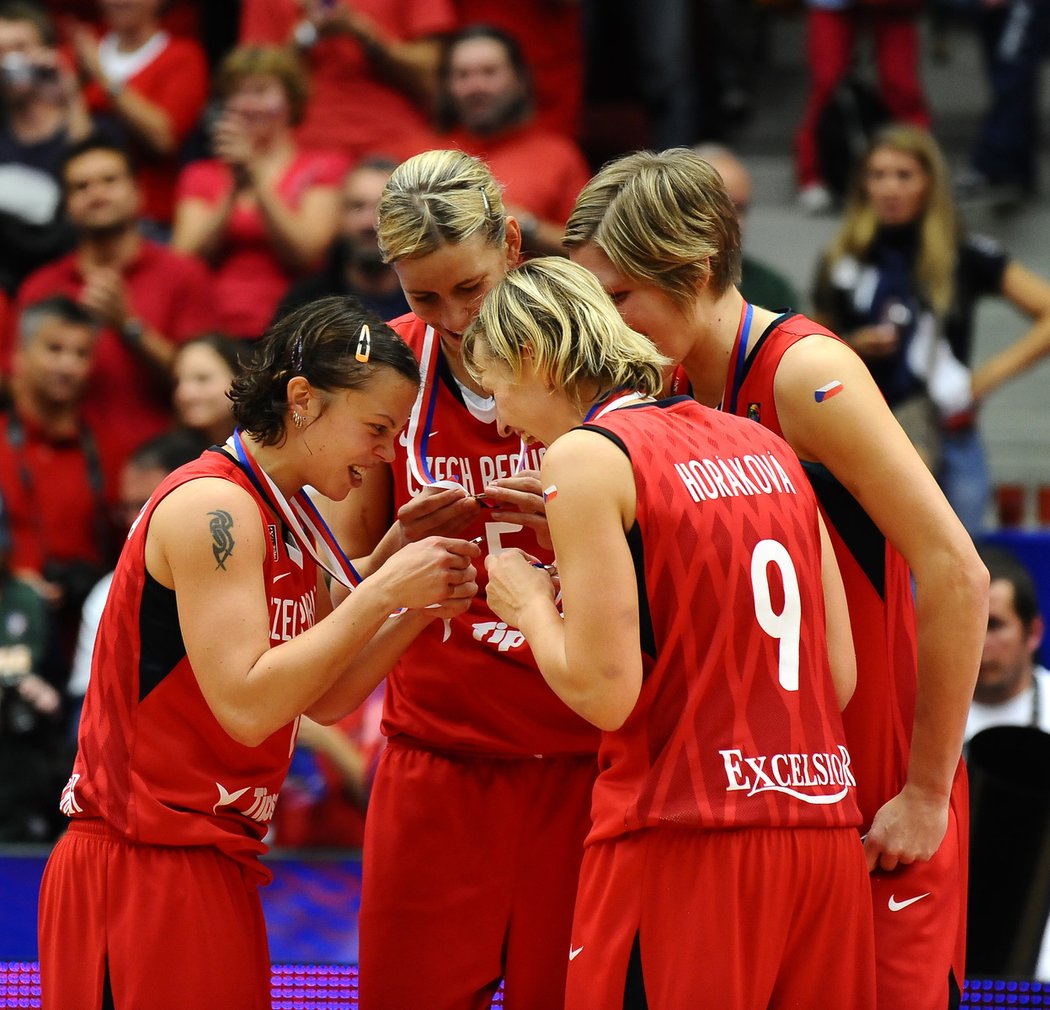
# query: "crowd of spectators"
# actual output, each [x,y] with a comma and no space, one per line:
[173,179]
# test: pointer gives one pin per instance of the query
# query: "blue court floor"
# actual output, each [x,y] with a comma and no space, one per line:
[311,914]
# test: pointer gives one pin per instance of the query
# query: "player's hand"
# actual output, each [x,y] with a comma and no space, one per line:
[435,570]
[907,829]
[519,499]
[516,582]
[437,512]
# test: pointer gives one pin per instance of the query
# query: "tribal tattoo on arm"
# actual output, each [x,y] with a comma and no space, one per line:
[222,536]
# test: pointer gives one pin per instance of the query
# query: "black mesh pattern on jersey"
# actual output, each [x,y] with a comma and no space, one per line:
[159,632]
[860,535]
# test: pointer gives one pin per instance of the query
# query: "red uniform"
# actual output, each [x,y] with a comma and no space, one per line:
[472,726]
[126,401]
[250,278]
[879,717]
[735,742]
[352,106]
[165,804]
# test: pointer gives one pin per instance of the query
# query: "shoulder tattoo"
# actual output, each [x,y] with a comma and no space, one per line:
[222,536]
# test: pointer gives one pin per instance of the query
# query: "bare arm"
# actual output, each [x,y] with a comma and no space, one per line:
[856,437]
[592,658]
[200,227]
[147,120]
[300,236]
[412,65]
[841,656]
[252,688]
[1030,294]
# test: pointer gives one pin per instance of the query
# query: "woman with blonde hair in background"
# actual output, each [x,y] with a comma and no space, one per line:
[900,283]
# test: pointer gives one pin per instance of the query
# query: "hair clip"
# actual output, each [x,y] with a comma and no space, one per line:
[364,344]
[297,354]
[485,201]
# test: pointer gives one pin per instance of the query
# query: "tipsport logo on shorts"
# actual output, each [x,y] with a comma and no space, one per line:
[805,777]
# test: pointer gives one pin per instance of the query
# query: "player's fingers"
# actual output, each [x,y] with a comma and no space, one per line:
[461,548]
[465,590]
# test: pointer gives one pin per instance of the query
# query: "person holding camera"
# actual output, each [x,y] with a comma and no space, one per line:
[33,754]
[56,477]
[43,114]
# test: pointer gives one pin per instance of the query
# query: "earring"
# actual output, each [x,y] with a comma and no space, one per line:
[297,419]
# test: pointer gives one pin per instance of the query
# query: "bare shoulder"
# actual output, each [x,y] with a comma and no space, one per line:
[203,525]
[827,400]
[581,453]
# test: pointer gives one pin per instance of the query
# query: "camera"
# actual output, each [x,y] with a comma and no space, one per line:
[16,68]
[15,664]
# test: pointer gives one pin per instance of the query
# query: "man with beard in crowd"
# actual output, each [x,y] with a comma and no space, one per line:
[485,108]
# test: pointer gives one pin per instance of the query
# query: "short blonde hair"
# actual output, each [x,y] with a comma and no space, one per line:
[438,198]
[557,313]
[662,219]
[265,61]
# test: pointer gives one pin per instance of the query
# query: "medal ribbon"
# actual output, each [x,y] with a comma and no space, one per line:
[422,418]
[301,516]
[611,402]
[738,358]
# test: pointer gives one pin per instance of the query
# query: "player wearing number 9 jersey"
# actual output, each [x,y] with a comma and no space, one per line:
[480,804]
[723,866]
[661,235]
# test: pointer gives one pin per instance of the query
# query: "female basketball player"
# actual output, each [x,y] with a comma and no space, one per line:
[218,634]
[480,805]
[661,235]
[723,867]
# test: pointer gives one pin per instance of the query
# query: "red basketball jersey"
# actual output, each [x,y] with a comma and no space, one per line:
[152,759]
[879,717]
[736,724]
[480,690]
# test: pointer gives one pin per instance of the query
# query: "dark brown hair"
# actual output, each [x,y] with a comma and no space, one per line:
[318,341]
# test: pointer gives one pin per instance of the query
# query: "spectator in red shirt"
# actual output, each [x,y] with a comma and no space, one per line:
[152,85]
[56,478]
[486,108]
[373,64]
[551,36]
[263,211]
[147,298]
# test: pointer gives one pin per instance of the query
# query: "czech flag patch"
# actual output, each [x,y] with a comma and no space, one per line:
[828,391]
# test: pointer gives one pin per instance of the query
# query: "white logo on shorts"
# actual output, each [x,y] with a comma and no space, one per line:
[896,906]
[574,952]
